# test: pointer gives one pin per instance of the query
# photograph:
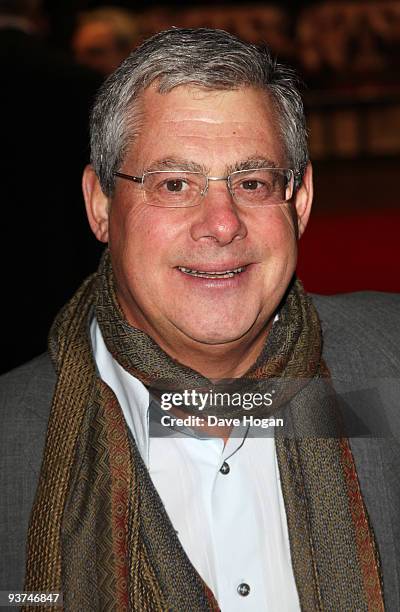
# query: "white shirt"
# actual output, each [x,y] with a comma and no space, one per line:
[232,526]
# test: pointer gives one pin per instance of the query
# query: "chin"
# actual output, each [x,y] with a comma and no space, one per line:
[215,325]
[216,335]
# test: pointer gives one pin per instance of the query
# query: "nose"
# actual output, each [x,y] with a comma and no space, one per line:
[218,218]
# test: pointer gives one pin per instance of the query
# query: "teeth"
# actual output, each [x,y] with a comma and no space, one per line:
[224,274]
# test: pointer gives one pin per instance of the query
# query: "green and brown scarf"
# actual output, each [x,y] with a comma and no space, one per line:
[99,531]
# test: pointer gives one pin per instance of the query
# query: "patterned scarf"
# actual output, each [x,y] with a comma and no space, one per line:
[99,531]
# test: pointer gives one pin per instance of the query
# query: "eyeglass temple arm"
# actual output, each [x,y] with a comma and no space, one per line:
[129,177]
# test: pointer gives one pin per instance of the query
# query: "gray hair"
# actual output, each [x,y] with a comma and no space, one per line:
[202,57]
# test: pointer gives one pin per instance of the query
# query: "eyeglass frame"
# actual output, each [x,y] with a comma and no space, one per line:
[140,179]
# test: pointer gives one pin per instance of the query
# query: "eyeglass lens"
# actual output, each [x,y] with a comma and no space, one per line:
[254,188]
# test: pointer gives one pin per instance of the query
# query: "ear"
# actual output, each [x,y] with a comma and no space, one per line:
[303,200]
[97,204]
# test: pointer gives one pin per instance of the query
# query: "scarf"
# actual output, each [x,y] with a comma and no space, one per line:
[99,532]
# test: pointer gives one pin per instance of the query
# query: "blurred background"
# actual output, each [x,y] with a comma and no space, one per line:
[54,56]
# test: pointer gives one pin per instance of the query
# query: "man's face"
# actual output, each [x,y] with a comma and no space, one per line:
[150,246]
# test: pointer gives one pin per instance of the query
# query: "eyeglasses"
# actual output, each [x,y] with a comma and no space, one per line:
[255,188]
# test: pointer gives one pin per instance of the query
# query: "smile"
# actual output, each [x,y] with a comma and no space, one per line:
[223,274]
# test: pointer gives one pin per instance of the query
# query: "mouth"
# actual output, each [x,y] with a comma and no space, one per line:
[211,274]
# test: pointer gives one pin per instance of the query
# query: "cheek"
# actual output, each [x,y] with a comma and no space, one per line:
[285,223]
[144,240]
[279,250]
[276,233]
[130,230]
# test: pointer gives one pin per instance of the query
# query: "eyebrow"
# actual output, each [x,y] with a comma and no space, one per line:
[177,163]
[253,162]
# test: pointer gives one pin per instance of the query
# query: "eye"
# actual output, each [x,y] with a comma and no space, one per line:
[256,186]
[251,185]
[175,185]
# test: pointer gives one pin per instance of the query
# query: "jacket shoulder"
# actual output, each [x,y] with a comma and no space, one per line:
[363,327]
[365,304]
[25,401]
[31,383]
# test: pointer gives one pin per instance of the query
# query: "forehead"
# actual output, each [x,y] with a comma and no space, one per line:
[215,128]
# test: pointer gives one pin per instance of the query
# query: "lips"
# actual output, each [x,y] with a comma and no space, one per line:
[211,273]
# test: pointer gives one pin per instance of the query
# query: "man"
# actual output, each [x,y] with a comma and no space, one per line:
[200,184]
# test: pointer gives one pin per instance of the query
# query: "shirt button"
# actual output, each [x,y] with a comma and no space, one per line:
[243,589]
[225,469]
